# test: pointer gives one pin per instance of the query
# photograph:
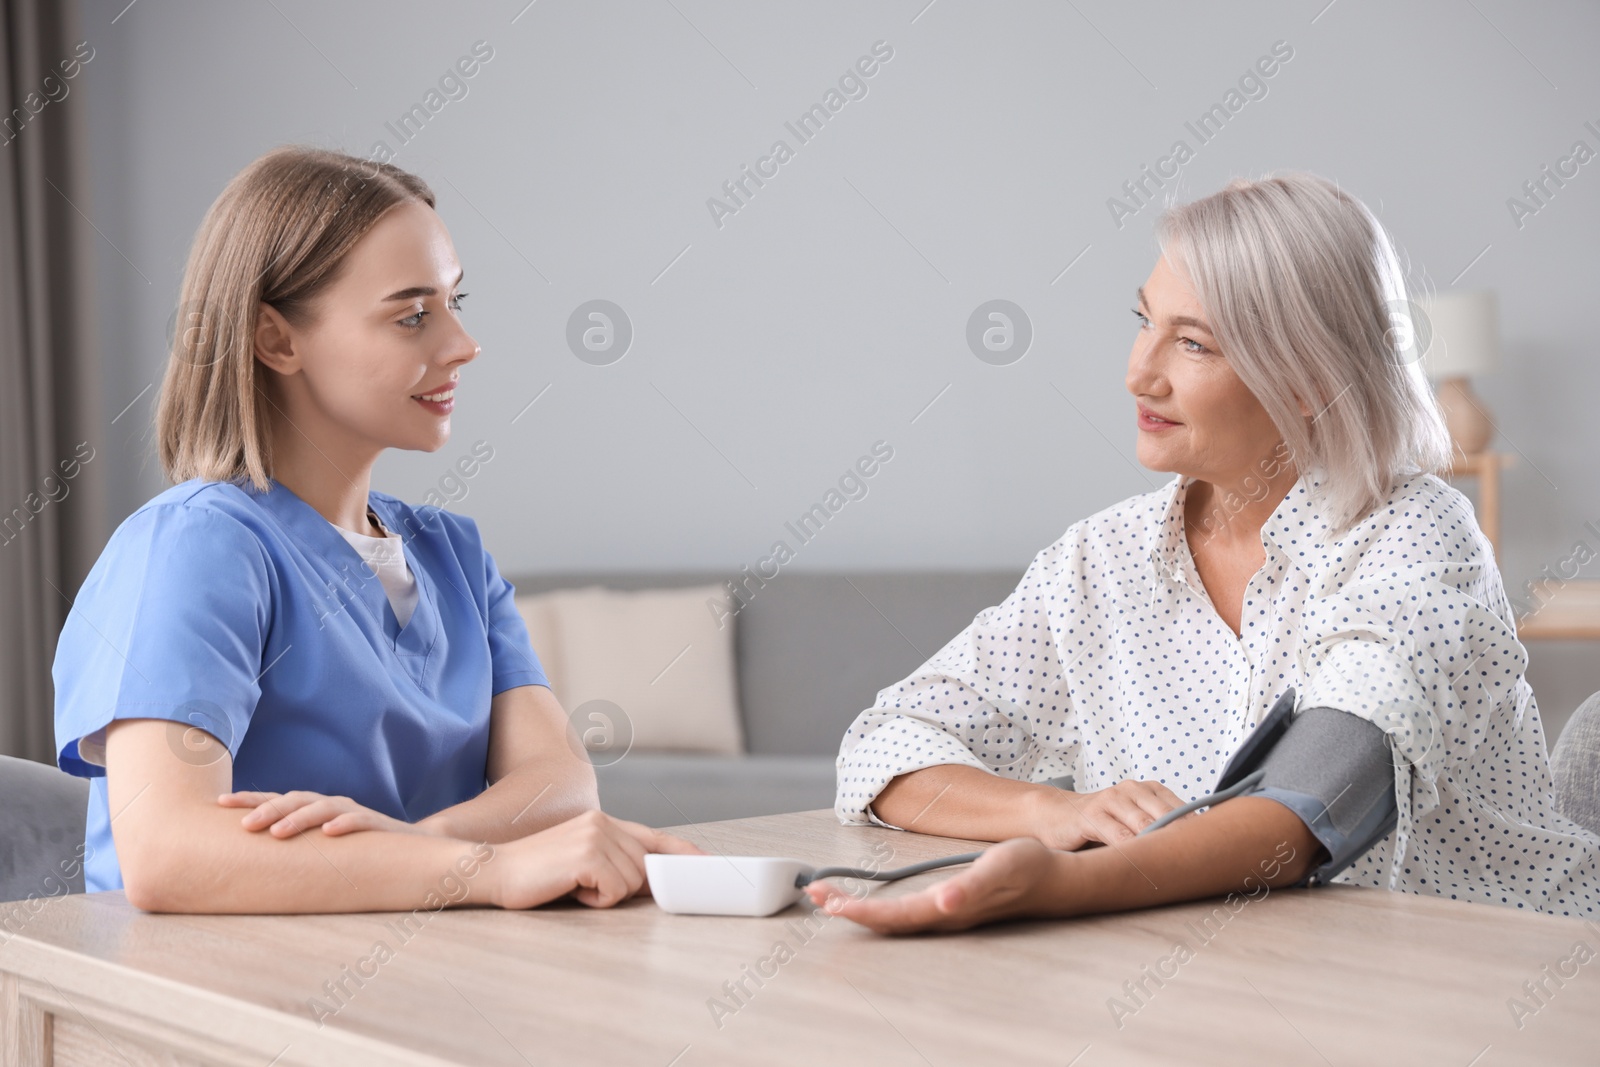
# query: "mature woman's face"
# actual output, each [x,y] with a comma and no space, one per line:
[1216,430]
[385,331]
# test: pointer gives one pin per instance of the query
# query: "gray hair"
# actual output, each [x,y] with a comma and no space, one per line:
[1303,292]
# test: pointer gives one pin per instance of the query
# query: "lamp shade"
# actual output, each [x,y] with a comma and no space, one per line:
[1464,334]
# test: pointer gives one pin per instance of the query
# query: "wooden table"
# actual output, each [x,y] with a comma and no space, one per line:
[1335,975]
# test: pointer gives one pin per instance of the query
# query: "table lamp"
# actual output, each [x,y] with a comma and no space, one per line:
[1464,341]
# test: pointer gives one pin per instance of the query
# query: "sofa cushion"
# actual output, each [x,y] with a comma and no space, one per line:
[539,616]
[656,656]
[815,649]
[671,789]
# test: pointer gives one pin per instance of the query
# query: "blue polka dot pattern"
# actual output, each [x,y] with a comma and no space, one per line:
[1109,662]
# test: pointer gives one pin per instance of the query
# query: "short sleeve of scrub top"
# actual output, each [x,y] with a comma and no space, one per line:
[246,615]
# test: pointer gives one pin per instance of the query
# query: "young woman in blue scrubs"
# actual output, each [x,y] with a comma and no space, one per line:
[269,721]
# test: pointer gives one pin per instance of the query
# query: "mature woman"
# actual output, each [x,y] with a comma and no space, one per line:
[1304,542]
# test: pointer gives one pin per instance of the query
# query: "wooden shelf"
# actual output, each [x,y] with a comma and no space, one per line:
[1478,462]
[1566,611]
[1486,467]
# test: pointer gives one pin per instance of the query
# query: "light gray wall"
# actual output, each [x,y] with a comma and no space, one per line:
[831,310]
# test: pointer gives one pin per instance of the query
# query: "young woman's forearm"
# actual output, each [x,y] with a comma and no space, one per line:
[954,800]
[1243,845]
[535,796]
[541,775]
[179,851]
[204,861]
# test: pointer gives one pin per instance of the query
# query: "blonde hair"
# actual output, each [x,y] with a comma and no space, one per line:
[1304,294]
[277,235]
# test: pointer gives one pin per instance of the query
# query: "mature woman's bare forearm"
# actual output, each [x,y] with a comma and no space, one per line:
[536,796]
[204,861]
[954,800]
[1243,845]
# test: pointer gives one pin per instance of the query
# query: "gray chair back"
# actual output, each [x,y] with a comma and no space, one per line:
[1575,766]
[42,814]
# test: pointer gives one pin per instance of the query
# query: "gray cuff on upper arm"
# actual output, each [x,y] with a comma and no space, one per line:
[1335,771]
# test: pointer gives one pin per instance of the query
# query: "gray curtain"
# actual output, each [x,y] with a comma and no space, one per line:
[52,504]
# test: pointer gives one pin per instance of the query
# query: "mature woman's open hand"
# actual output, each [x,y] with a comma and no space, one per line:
[1015,879]
[284,815]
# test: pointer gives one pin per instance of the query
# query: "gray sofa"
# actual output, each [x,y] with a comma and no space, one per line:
[812,651]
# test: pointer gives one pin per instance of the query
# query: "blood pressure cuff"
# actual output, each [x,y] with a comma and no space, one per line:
[1334,770]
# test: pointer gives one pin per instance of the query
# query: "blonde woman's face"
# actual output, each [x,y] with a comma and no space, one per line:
[1217,430]
[386,332]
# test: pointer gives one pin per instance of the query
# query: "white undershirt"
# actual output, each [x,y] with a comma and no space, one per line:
[387,559]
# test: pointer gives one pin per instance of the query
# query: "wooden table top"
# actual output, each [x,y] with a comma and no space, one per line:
[1336,975]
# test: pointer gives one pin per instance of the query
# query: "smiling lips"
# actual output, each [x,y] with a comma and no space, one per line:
[1146,415]
[441,402]
[444,392]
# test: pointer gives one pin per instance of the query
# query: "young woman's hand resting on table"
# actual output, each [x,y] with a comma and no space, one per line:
[287,814]
[594,857]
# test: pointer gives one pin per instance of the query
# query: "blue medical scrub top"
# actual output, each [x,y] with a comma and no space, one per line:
[246,614]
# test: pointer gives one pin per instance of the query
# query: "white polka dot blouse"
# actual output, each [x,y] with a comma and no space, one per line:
[1109,662]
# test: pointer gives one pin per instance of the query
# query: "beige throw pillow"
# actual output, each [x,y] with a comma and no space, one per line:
[656,654]
[538,615]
